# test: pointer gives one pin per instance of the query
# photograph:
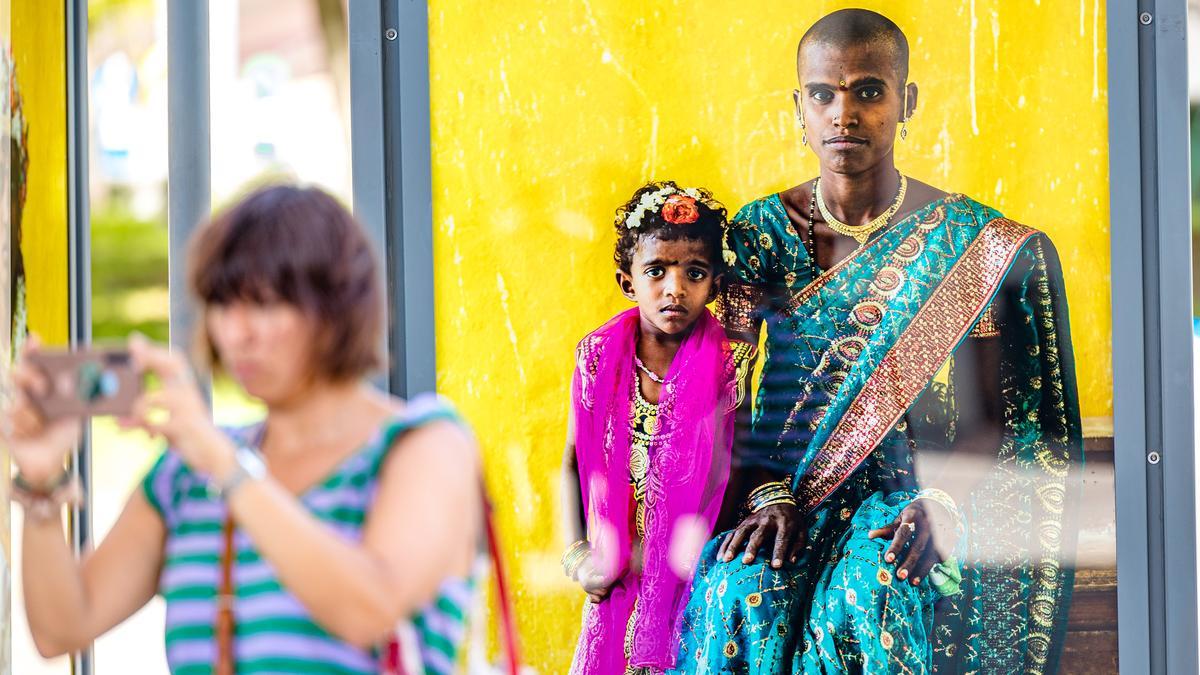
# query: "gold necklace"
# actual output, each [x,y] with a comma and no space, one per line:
[860,233]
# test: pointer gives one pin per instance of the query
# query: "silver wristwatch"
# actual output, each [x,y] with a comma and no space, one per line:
[247,466]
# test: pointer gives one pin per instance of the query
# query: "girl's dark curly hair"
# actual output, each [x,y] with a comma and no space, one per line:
[709,226]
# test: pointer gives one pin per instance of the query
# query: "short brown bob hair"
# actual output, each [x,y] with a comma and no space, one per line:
[299,246]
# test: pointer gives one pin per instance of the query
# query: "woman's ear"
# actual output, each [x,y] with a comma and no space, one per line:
[625,283]
[910,101]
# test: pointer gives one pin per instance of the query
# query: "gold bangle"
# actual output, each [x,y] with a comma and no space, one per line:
[574,557]
[943,499]
[773,502]
[771,485]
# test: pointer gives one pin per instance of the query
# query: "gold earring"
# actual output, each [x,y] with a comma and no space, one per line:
[904,128]
[803,133]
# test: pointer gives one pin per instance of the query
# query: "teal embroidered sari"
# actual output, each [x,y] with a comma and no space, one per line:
[850,392]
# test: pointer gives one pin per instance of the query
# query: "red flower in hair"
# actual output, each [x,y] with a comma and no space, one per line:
[680,210]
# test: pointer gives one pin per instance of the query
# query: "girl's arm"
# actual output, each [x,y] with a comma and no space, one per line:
[596,585]
[574,524]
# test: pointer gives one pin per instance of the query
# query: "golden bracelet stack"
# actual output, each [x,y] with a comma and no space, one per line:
[770,494]
[574,557]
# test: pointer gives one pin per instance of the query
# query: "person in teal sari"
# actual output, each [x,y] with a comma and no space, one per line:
[911,462]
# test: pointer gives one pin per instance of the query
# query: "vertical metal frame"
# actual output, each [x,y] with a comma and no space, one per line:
[79,281]
[1129,390]
[390,139]
[188,201]
[1152,336]
[1173,224]
[189,191]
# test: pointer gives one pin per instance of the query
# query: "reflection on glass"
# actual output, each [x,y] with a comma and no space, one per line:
[907,483]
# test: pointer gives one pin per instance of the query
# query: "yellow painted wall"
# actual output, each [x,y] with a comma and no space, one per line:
[39,49]
[547,115]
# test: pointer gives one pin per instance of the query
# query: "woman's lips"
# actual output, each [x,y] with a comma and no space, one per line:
[244,370]
[844,142]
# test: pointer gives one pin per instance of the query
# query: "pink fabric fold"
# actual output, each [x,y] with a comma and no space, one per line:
[689,468]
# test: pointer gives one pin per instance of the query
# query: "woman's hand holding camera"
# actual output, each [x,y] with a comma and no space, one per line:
[39,447]
[177,412]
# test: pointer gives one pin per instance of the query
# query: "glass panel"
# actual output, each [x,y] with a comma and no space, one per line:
[127,101]
[935,359]
[279,109]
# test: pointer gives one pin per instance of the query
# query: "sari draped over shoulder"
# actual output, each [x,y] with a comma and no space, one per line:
[853,385]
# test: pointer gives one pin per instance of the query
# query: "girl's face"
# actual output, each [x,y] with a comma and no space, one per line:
[671,281]
[266,347]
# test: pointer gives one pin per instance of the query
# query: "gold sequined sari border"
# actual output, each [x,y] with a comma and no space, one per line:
[904,372]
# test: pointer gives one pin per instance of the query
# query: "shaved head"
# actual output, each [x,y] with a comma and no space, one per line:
[858,28]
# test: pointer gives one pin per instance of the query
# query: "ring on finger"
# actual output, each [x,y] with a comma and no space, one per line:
[912,527]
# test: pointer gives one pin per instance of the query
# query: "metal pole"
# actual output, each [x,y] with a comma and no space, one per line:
[409,177]
[1167,32]
[79,287]
[390,137]
[367,142]
[1152,341]
[1129,340]
[188,150]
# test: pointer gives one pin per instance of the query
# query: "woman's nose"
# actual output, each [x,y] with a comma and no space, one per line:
[845,113]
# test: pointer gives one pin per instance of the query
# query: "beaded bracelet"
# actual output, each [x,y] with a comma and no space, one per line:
[20,484]
[44,503]
[770,494]
[575,556]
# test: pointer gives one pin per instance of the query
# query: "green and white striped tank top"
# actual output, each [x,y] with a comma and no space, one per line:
[273,631]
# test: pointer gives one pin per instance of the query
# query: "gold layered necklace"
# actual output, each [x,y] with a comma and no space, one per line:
[860,233]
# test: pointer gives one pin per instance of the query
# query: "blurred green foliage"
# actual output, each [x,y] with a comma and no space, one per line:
[129,275]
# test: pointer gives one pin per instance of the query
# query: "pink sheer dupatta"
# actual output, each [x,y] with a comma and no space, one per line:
[689,468]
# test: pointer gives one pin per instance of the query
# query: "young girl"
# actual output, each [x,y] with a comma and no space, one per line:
[652,406]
